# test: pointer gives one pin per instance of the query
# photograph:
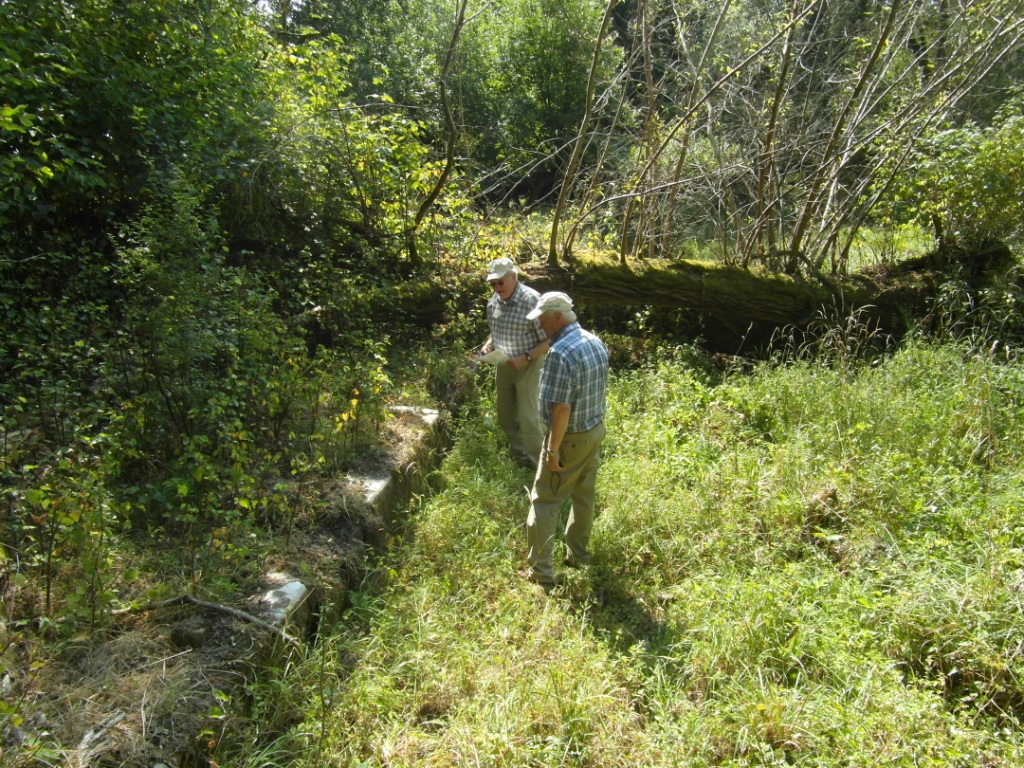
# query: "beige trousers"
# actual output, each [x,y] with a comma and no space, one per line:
[580,456]
[518,401]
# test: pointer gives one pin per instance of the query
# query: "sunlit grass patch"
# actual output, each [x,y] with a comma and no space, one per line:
[801,565]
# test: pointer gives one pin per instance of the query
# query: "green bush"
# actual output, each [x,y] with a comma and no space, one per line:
[966,183]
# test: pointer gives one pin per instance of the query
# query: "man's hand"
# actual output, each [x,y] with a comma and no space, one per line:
[552,462]
[517,362]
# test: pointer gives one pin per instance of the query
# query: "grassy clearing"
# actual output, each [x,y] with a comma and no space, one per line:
[806,565]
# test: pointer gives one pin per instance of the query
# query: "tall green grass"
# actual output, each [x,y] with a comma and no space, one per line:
[808,564]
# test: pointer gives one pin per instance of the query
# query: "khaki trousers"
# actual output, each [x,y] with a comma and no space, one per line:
[518,401]
[580,455]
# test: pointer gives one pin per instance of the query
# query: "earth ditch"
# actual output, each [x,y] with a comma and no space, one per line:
[155,689]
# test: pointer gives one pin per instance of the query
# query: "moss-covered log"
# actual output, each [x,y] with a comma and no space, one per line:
[726,308]
[730,309]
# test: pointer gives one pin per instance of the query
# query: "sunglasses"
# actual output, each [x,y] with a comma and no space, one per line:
[497,283]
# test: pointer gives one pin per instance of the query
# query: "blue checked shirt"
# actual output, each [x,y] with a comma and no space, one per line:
[511,332]
[575,373]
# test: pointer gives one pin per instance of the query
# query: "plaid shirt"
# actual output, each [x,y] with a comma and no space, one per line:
[511,332]
[575,373]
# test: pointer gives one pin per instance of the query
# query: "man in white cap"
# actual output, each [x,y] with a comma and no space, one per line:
[572,405]
[517,380]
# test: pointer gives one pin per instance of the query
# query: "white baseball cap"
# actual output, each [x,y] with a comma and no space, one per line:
[555,301]
[498,268]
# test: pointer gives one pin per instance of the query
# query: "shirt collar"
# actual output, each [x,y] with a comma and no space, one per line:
[564,330]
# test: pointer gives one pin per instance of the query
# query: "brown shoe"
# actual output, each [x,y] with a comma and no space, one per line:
[528,574]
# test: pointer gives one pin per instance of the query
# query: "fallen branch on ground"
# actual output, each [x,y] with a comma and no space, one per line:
[213,607]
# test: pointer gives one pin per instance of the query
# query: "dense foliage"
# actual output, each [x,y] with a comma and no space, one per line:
[195,217]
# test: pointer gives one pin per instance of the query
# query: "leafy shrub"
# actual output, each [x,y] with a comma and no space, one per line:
[189,407]
[968,182]
[217,394]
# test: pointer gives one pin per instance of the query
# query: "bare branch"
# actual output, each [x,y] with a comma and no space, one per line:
[182,599]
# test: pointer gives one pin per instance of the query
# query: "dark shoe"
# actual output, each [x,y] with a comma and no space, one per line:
[570,563]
